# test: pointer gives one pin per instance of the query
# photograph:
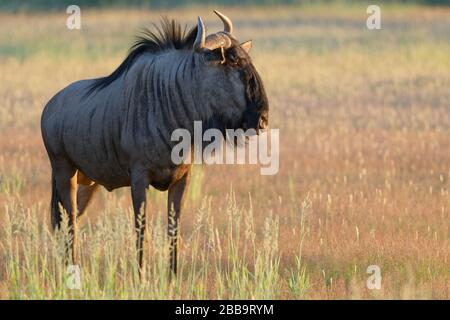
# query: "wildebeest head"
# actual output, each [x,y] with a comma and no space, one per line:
[238,92]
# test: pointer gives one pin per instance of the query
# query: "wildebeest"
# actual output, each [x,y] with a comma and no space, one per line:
[115,131]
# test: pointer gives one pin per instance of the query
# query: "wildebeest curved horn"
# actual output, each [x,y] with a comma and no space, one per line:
[227,24]
[199,43]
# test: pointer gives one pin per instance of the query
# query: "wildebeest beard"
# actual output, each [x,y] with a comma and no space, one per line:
[217,122]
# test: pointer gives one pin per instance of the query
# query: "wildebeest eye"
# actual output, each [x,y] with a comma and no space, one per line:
[233,61]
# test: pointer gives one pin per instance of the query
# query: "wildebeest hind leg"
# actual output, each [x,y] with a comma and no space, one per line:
[65,183]
[84,197]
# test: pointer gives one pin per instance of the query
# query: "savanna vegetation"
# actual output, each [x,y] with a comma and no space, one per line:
[364,119]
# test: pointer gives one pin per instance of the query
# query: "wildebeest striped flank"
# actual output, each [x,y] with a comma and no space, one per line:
[115,131]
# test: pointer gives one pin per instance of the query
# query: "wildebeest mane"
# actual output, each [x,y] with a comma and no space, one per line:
[168,36]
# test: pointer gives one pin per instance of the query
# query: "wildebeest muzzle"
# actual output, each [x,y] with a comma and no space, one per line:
[255,120]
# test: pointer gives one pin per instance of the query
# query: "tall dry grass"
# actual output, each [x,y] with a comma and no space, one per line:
[217,261]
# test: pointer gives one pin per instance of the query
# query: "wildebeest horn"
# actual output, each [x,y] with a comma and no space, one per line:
[199,43]
[227,24]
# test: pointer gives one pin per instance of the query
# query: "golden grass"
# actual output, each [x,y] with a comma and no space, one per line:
[365,153]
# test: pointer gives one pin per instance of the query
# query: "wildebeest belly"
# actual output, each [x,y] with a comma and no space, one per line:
[110,176]
[100,160]
[163,178]
[113,176]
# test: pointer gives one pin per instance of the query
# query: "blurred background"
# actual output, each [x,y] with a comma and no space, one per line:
[57,4]
[364,119]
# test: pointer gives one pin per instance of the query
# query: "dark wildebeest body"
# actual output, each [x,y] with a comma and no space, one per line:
[114,125]
[116,131]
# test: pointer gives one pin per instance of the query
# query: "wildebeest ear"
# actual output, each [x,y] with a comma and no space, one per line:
[247,45]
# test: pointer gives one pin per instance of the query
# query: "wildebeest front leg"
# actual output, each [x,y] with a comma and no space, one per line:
[177,193]
[139,184]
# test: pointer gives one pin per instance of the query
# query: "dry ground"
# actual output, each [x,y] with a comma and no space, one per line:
[364,178]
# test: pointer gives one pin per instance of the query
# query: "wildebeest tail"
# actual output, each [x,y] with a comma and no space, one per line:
[54,206]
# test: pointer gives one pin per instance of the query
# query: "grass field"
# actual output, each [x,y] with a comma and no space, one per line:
[364,119]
